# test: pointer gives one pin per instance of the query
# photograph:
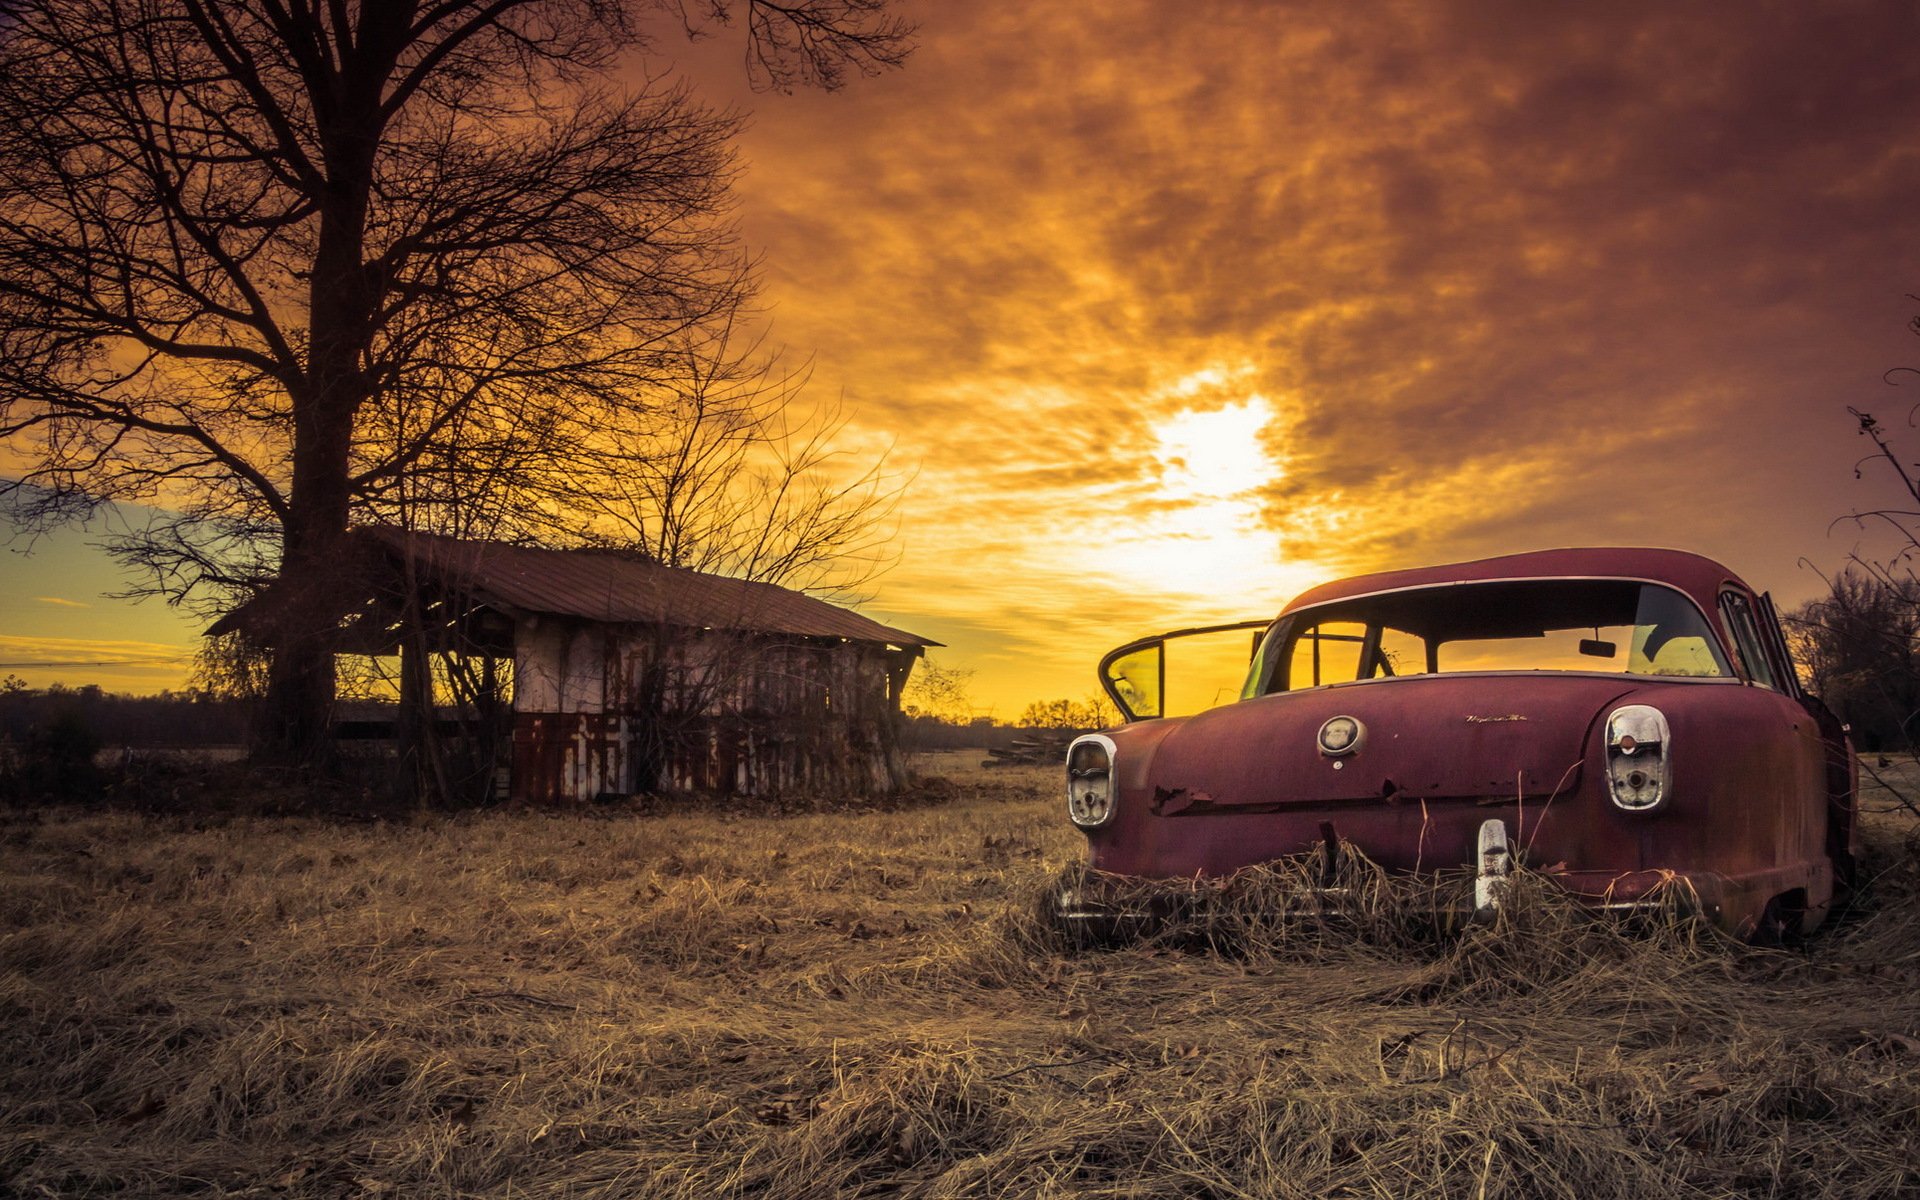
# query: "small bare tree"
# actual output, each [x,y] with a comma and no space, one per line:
[1860,643]
[940,692]
[729,469]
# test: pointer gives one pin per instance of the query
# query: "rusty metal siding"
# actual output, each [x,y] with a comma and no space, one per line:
[562,758]
[605,710]
[617,587]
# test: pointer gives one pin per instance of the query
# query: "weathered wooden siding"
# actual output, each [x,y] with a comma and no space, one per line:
[615,710]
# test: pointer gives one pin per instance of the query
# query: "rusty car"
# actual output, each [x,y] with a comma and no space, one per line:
[1629,719]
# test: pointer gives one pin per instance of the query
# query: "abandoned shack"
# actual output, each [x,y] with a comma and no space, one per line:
[620,675]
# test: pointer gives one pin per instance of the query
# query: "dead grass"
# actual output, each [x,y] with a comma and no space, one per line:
[864,1004]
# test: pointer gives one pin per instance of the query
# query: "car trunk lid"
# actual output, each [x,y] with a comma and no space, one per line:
[1495,736]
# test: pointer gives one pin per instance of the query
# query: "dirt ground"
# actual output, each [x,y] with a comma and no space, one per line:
[863,1003]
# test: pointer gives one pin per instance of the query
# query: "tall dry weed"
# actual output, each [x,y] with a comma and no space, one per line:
[700,1004]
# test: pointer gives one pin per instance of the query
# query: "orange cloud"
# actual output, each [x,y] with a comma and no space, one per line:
[1507,275]
[1490,274]
[127,666]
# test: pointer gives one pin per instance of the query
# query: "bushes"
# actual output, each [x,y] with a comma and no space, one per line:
[55,761]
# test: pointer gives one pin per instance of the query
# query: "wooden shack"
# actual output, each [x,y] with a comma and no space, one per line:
[628,677]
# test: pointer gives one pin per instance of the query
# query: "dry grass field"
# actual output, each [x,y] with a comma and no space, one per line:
[704,1004]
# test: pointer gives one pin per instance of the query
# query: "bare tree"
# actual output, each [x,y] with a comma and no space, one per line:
[940,693]
[1860,648]
[730,470]
[806,43]
[279,266]
[1859,645]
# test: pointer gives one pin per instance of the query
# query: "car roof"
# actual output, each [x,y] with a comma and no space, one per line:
[1698,576]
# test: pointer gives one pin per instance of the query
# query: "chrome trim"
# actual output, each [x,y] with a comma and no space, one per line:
[1113,783]
[1650,757]
[1494,877]
[1359,736]
[1453,583]
[1652,680]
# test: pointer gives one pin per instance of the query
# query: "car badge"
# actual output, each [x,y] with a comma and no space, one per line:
[1340,735]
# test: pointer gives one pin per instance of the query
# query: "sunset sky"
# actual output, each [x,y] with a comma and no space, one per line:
[1177,309]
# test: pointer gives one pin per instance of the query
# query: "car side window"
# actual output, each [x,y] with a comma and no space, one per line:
[1400,653]
[1746,636]
[1328,652]
[1776,640]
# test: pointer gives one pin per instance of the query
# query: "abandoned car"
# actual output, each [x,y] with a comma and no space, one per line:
[1625,719]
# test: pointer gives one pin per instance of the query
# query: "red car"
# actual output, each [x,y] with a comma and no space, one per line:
[1622,716]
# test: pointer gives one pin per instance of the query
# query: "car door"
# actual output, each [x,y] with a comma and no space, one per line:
[1842,768]
[1182,671]
[1798,781]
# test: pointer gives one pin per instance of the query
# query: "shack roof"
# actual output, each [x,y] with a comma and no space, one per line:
[614,586]
[1698,576]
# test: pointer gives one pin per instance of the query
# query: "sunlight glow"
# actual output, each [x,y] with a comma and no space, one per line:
[1216,455]
[1206,535]
[1201,548]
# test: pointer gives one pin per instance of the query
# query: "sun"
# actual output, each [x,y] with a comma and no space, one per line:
[1206,533]
[1218,454]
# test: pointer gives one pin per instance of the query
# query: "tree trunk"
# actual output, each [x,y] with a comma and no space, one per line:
[300,682]
[313,581]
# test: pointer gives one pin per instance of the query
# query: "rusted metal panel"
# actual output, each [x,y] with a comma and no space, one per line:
[1698,576]
[625,587]
[564,757]
[635,710]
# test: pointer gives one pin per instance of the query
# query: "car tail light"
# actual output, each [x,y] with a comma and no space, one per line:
[1638,772]
[1090,790]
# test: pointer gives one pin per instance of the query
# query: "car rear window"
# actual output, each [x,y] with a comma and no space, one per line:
[1524,625]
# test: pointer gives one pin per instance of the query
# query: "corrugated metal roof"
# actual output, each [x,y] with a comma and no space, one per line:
[623,587]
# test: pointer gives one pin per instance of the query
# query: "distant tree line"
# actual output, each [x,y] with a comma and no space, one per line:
[939,713]
[169,719]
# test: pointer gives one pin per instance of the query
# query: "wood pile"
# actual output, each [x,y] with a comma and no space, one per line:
[1038,748]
